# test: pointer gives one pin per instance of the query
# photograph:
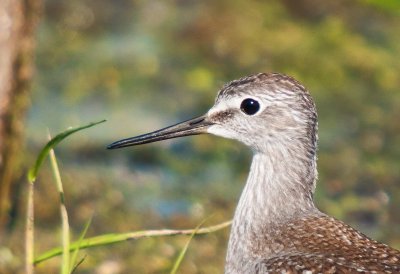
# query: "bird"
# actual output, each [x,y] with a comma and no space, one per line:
[276,226]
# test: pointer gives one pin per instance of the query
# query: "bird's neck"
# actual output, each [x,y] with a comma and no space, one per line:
[279,189]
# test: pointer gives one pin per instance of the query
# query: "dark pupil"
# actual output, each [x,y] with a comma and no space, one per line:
[250,106]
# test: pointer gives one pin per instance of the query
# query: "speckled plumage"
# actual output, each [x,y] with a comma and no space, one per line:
[324,244]
[276,227]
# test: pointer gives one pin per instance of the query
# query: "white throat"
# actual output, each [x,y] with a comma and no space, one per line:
[276,192]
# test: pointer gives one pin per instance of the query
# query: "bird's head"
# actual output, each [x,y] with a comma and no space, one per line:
[262,111]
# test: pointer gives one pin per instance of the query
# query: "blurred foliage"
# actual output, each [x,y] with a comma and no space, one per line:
[147,64]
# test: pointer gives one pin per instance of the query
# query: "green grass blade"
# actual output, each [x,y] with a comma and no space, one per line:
[73,265]
[78,264]
[113,238]
[29,231]
[51,144]
[185,248]
[63,213]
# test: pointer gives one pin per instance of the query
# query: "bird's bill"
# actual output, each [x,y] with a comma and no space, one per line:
[193,126]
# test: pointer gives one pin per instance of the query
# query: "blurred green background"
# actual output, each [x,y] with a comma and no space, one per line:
[143,65]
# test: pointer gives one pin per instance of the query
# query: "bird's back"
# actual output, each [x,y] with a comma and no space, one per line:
[322,244]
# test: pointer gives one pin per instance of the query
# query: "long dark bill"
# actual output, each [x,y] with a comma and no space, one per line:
[193,126]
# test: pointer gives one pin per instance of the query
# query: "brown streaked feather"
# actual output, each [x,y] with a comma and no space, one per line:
[325,245]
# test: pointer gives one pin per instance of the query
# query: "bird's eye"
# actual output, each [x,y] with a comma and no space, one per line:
[250,106]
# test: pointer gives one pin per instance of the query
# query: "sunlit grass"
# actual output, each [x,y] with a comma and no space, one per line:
[113,238]
[32,174]
[63,212]
[70,263]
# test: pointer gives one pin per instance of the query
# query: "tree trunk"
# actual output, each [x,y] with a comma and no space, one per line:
[18,21]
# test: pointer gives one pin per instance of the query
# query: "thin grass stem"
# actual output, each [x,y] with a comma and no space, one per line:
[185,248]
[73,266]
[113,238]
[29,232]
[65,265]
